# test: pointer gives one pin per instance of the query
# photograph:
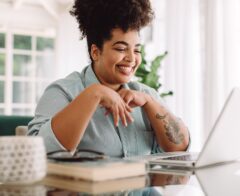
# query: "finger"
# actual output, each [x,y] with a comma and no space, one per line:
[132,105]
[124,95]
[128,108]
[121,91]
[129,117]
[128,98]
[122,115]
[115,113]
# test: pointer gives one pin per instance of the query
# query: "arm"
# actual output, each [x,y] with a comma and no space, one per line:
[65,124]
[171,133]
[71,122]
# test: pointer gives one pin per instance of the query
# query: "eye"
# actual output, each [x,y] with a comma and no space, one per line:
[120,49]
[138,51]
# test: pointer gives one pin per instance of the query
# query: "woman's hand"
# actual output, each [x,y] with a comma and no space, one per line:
[134,98]
[114,104]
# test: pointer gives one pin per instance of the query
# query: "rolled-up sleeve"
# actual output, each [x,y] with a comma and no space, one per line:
[51,142]
[54,99]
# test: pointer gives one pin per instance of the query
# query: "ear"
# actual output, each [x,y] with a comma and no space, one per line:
[95,52]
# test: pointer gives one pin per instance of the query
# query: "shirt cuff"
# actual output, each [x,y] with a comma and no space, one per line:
[189,143]
[51,142]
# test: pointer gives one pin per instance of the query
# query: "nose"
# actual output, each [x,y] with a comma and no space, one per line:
[130,56]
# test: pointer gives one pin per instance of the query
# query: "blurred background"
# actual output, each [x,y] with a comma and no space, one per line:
[40,42]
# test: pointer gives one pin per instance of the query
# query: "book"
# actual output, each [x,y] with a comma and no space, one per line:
[98,170]
[109,186]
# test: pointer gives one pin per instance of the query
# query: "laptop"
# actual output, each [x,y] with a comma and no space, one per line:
[221,146]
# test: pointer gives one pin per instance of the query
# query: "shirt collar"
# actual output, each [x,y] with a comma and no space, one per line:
[90,77]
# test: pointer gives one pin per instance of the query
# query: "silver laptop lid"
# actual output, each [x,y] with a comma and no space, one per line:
[223,143]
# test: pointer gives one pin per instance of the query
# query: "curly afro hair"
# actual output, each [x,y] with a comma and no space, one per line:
[97,18]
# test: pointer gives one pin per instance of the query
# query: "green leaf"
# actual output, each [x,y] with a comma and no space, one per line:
[151,77]
[169,93]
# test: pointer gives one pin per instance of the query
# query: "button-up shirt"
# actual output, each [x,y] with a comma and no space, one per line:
[137,138]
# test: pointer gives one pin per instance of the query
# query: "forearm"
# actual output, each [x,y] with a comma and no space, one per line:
[171,133]
[70,123]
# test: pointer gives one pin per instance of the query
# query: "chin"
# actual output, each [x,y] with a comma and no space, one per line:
[124,81]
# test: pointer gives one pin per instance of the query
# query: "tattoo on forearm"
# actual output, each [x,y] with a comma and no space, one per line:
[158,116]
[172,129]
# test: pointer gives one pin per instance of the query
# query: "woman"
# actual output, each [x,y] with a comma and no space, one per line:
[100,108]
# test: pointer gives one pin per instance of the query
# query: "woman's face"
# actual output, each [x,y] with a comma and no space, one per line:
[119,58]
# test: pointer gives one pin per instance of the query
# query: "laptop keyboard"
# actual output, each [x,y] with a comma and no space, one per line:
[188,157]
[156,156]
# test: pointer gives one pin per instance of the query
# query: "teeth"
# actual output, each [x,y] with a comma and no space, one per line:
[125,69]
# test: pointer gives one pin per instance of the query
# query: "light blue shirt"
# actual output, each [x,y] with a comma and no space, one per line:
[137,138]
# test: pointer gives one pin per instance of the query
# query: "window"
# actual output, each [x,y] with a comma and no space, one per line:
[26,68]
[2,70]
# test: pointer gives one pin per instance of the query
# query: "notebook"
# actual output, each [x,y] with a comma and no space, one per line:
[222,144]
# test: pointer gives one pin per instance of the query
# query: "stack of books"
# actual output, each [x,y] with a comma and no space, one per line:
[101,187]
[98,170]
[99,176]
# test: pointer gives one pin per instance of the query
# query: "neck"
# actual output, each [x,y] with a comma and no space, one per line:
[115,87]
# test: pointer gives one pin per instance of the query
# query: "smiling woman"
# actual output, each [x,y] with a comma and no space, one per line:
[100,108]
[119,59]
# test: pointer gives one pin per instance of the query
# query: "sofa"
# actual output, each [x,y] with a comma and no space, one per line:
[8,124]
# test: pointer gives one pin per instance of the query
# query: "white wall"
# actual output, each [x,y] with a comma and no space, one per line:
[72,52]
[26,18]
[177,30]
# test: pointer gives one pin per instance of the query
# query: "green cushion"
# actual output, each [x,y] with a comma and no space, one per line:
[9,123]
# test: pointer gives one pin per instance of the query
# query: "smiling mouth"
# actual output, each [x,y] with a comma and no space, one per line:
[126,70]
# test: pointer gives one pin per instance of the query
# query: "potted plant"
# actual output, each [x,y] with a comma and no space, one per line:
[147,73]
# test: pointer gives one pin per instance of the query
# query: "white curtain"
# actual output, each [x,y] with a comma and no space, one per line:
[221,53]
[203,41]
